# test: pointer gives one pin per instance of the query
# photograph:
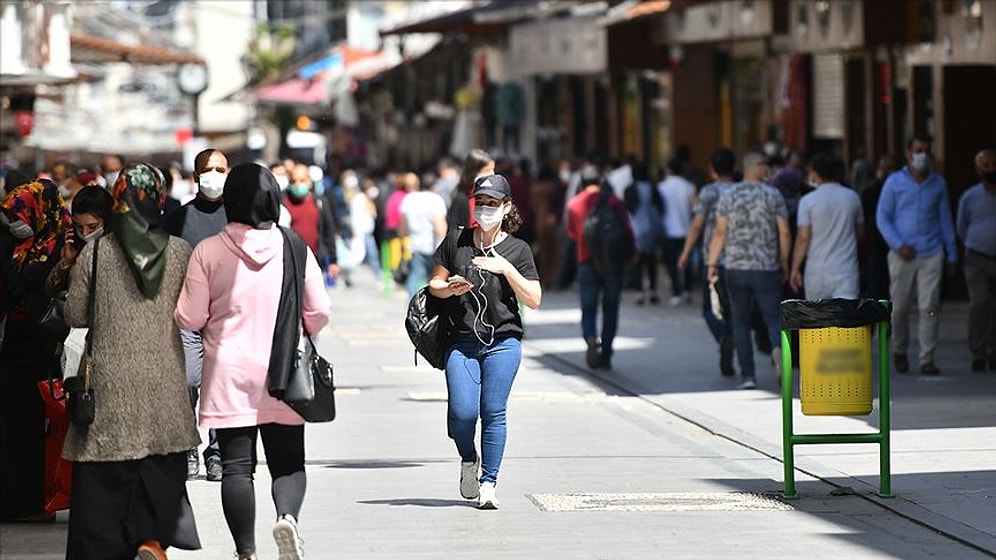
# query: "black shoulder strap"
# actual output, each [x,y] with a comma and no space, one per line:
[289,314]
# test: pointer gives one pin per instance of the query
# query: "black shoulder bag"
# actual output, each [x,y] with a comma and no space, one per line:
[297,375]
[79,395]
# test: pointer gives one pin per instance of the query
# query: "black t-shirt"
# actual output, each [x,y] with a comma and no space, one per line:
[455,253]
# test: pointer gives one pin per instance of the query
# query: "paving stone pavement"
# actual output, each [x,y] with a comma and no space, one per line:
[660,458]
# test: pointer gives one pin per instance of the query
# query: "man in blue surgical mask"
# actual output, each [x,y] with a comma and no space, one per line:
[914,218]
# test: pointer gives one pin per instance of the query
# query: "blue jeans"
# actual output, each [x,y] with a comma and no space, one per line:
[478,381]
[764,288]
[419,274]
[371,255]
[609,287]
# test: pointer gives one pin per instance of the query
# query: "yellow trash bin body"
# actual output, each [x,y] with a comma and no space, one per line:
[835,366]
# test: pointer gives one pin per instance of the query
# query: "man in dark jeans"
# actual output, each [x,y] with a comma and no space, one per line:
[195,221]
[595,284]
[752,234]
[704,220]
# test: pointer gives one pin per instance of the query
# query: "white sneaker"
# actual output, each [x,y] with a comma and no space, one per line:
[747,383]
[469,484]
[487,498]
[675,301]
[289,542]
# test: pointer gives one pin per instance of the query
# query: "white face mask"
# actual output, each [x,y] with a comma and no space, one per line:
[565,175]
[93,235]
[64,191]
[111,178]
[212,184]
[921,161]
[21,230]
[489,217]
[282,181]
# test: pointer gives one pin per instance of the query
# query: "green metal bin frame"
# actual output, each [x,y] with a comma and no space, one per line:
[790,439]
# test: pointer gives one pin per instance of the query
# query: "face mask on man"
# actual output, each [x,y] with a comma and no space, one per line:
[989,177]
[921,161]
[298,190]
[21,230]
[489,217]
[211,184]
[111,178]
[282,182]
[64,191]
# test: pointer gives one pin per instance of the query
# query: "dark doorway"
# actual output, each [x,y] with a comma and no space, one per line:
[969,126]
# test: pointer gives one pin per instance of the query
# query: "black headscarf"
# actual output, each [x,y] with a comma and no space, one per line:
[252,196]
[135,219]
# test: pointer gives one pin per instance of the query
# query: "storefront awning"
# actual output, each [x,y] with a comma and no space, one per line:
[632,10]
[489,19]
[316,82]
[93,49]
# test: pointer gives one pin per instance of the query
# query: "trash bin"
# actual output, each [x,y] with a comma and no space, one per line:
[835,361]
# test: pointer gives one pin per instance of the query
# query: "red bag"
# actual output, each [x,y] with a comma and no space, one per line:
[58,471]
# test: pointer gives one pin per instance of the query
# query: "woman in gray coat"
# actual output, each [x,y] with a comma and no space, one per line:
[129,496]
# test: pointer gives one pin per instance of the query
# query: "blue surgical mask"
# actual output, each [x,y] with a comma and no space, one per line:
[921,161]
[298,190]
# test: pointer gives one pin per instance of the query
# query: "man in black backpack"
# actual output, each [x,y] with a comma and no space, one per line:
[598,223]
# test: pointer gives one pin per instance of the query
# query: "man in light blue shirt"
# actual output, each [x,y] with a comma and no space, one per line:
[976,226]
[914,218]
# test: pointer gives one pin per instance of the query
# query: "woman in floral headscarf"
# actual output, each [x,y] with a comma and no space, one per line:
[34,222]
[130,465]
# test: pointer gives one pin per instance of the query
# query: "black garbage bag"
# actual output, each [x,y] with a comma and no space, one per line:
[821,313]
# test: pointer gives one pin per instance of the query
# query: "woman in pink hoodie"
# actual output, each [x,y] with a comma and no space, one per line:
[229,296]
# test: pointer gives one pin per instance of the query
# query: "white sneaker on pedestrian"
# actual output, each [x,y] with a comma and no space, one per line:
[675,301]
[289,542]
[747,383]
[469,483]
[487,498]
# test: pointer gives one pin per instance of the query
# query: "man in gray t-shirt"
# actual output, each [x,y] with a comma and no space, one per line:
[830,222]
[752,234]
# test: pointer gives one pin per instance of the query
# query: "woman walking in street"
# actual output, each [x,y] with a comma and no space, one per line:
[129,496]
[480,273]
[230,297]
[34,222]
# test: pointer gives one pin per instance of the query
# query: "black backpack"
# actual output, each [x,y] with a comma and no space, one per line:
[428,327]
[609,240]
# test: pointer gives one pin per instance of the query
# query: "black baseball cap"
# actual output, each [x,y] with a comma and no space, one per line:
[495,186]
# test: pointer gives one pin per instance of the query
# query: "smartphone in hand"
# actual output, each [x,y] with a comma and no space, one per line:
[457,279]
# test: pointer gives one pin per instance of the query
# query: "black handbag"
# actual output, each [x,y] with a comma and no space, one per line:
[80,404]
[52,322]
[298,376]
[311,387]
[401,273]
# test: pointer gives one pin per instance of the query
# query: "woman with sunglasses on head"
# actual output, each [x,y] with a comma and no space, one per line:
[482,273]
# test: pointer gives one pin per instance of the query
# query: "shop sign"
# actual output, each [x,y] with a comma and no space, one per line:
[826,26]
[562,46]
[716,21]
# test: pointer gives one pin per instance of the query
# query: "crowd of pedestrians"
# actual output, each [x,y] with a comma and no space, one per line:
[169,260]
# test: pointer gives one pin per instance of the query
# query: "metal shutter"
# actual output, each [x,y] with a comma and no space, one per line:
[828,96]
